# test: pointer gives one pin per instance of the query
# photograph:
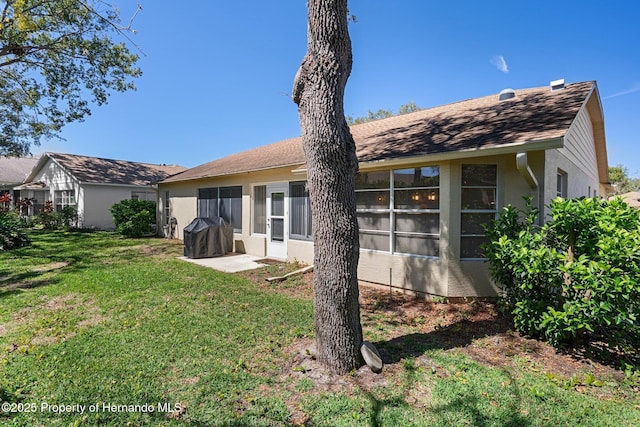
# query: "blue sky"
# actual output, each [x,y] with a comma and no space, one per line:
[217,75]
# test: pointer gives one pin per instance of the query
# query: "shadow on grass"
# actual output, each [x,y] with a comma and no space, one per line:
[472,403]
[459,334]
[469,404]
[12,287]
[56,252]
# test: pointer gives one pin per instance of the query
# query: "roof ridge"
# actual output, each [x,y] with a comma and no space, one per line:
[50,153]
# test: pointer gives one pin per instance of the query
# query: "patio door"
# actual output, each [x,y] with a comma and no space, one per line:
[277,229]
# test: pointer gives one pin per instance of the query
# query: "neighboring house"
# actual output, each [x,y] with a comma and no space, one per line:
[632,199]
[13,171]
[91,184]
[428,182]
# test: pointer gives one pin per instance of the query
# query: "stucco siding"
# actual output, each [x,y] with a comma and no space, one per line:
[446,275]
[98,199]
[417,274]
[183,204]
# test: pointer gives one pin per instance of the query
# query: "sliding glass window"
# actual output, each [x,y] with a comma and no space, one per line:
[399,210]
[479,188]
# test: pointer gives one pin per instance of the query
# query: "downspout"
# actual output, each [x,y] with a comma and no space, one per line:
[522,164]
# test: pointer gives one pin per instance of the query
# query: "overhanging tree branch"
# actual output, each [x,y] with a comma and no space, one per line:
[52,52]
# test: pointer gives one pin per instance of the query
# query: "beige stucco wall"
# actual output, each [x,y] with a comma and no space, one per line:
[183,206]
[446,275]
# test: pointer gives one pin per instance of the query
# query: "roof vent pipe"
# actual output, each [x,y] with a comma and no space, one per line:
[557,84]
[506,94]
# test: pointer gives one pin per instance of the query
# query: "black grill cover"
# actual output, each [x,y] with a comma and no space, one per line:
[207,238]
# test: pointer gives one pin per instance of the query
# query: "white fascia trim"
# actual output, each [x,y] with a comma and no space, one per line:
[104,184]
[469,153]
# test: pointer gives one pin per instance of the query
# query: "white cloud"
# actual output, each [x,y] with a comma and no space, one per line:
[632,89]
[499,62]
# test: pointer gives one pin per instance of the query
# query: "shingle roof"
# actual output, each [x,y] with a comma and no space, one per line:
[14,170]
[632,198]
[283,153]
[533,115]
[107,171]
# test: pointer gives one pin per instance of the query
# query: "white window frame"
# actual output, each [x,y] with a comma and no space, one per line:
[393,212]
[493,212]
[306,220]
[562,184]
[64,198]
[259,212]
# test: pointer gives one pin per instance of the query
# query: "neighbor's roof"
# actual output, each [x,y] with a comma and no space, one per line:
[94,170]
[14,170]
[533,115]
[632,198]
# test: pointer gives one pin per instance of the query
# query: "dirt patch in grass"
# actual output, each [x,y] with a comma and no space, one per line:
[50,267]
[53,320]
[299,286]
[475,329]
[32,278]
[157,248]
[406,327]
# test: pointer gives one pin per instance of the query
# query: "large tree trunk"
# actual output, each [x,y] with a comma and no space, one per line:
[331,166]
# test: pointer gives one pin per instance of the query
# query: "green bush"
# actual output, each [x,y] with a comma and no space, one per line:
[52,220]
[575,279]
[134,218]
[11,232]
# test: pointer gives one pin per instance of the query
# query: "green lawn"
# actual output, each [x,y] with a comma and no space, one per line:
[122,330]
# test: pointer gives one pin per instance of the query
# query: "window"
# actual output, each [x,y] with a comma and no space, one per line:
[167,210]
[222,202]
[64,198]
[561,186]
[399,211]
[373,206]
[260,209]
[416,210]
[143,195]
[478,196]
[300,211]
[38,198]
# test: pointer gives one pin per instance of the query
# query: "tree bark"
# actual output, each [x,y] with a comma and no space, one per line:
[331,163]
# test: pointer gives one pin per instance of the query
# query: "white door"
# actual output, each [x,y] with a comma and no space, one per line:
[277,229]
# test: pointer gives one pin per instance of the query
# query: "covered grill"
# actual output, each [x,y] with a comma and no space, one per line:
[207,238]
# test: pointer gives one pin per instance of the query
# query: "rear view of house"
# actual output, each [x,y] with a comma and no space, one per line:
[90,184]
[428,183]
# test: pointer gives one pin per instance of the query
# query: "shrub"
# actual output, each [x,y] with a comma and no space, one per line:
[69,216]
[52,220]
[11,232]
[575,279]
[134,218]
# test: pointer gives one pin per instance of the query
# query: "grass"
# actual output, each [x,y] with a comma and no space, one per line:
[136,337]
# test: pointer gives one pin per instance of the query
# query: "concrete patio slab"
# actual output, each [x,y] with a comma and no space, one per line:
[230,263]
